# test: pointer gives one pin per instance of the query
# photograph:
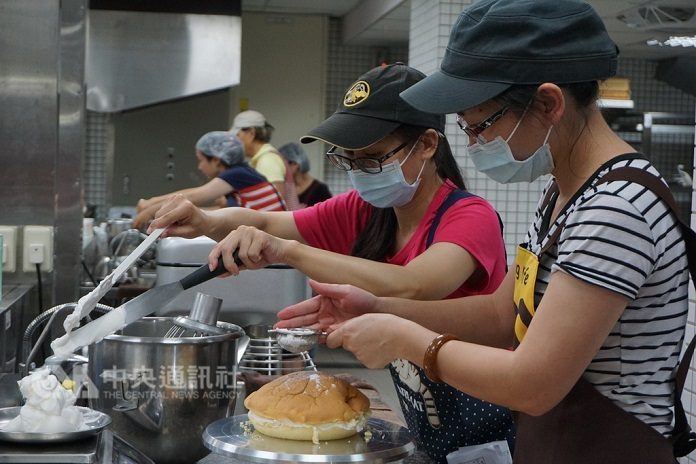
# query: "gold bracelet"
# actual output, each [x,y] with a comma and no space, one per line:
[430,357]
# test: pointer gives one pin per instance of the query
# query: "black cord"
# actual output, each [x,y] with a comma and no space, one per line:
[38,278]
[89,274]
[40,292]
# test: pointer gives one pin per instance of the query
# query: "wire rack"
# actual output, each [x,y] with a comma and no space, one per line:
[265,356]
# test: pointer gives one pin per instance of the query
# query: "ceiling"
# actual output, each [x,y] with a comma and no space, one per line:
[393,27]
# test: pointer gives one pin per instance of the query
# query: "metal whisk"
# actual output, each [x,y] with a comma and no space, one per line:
[201,321]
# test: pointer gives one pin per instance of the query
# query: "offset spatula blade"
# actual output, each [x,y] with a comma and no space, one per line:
[140,306]
[150,301]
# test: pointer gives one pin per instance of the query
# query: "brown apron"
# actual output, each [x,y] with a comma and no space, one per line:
[587,427]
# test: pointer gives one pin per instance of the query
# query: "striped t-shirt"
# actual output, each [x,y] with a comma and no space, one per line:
[620,236]
[252,189]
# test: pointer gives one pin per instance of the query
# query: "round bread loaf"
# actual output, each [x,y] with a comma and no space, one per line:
[308,405]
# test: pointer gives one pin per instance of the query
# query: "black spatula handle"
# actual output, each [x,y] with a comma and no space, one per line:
[203,273]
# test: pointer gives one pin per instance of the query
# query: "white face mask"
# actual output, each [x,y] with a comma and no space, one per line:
[496,161]
[388,188]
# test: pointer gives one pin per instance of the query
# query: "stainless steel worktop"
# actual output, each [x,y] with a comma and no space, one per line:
[16,310]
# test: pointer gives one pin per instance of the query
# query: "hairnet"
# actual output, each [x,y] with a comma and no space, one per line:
[223,145]
[294,153]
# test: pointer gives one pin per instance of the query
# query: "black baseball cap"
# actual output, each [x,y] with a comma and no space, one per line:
[499,43]
[372,109]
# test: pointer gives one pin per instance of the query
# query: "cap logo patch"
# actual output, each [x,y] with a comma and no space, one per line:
[356,93]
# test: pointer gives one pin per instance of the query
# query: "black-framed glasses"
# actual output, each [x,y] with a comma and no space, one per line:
[365,163]
[475,131]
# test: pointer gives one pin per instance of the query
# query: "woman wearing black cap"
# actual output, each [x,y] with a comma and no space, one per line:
[408,229]
[597,298]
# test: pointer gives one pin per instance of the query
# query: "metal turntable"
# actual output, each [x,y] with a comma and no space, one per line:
[234,437]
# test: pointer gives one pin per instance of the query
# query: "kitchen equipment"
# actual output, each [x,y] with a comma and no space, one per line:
[125,242]
[381,441]
[265,356]
[104,448]
[201,321]
[162,392]
[45,321]
[252,297]
[115,226]
[95,422]
[134,309]
[16,307]
[297,339]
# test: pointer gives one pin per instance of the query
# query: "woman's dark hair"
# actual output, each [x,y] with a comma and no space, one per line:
[518,97]
[378,239]
[211,158]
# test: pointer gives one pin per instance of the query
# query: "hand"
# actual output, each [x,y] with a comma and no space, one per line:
[375,339]
[144,216]
[256,249]
[142,204]
[334,304]
[181,218]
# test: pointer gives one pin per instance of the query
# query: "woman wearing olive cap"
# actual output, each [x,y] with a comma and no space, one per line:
[221,159]
[407,229]
[596,301]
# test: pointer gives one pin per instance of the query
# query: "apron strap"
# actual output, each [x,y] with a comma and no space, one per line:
[453,197]
[683,439]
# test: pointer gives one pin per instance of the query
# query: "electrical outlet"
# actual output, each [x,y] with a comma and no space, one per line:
[38,248]
[9,248]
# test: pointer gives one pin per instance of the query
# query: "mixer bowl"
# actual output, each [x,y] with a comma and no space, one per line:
[162,392]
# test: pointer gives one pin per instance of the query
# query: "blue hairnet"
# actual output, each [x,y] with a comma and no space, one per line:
[223,145]
[294,153]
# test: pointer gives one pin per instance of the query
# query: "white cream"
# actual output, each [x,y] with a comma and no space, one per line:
[48,408]
[92,333]
[357,424]
[87,303]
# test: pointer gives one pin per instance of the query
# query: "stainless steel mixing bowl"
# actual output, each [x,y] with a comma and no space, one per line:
[162,392]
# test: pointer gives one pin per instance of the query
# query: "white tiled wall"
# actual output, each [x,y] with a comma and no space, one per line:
[98,142]
[345,64]
[430,28]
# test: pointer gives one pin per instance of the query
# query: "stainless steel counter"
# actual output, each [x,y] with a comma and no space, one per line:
[15,313]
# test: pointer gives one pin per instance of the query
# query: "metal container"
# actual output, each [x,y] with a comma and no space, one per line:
[252,297]
[115,226]
[162,392]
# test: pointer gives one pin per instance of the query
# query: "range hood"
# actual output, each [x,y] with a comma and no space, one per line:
[140,58]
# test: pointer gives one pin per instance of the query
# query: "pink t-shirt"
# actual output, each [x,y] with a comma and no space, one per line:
[470,223]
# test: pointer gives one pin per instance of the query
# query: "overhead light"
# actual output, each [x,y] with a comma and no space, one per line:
[674,41]
[659,17]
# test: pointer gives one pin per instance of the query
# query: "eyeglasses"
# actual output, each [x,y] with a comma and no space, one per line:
[365,164]
[475,131]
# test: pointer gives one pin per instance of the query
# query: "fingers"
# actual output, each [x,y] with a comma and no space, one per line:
[253,246]
[303,308]
[335,337]
[329,290]
[225,250]
[301,321]
[175,211]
